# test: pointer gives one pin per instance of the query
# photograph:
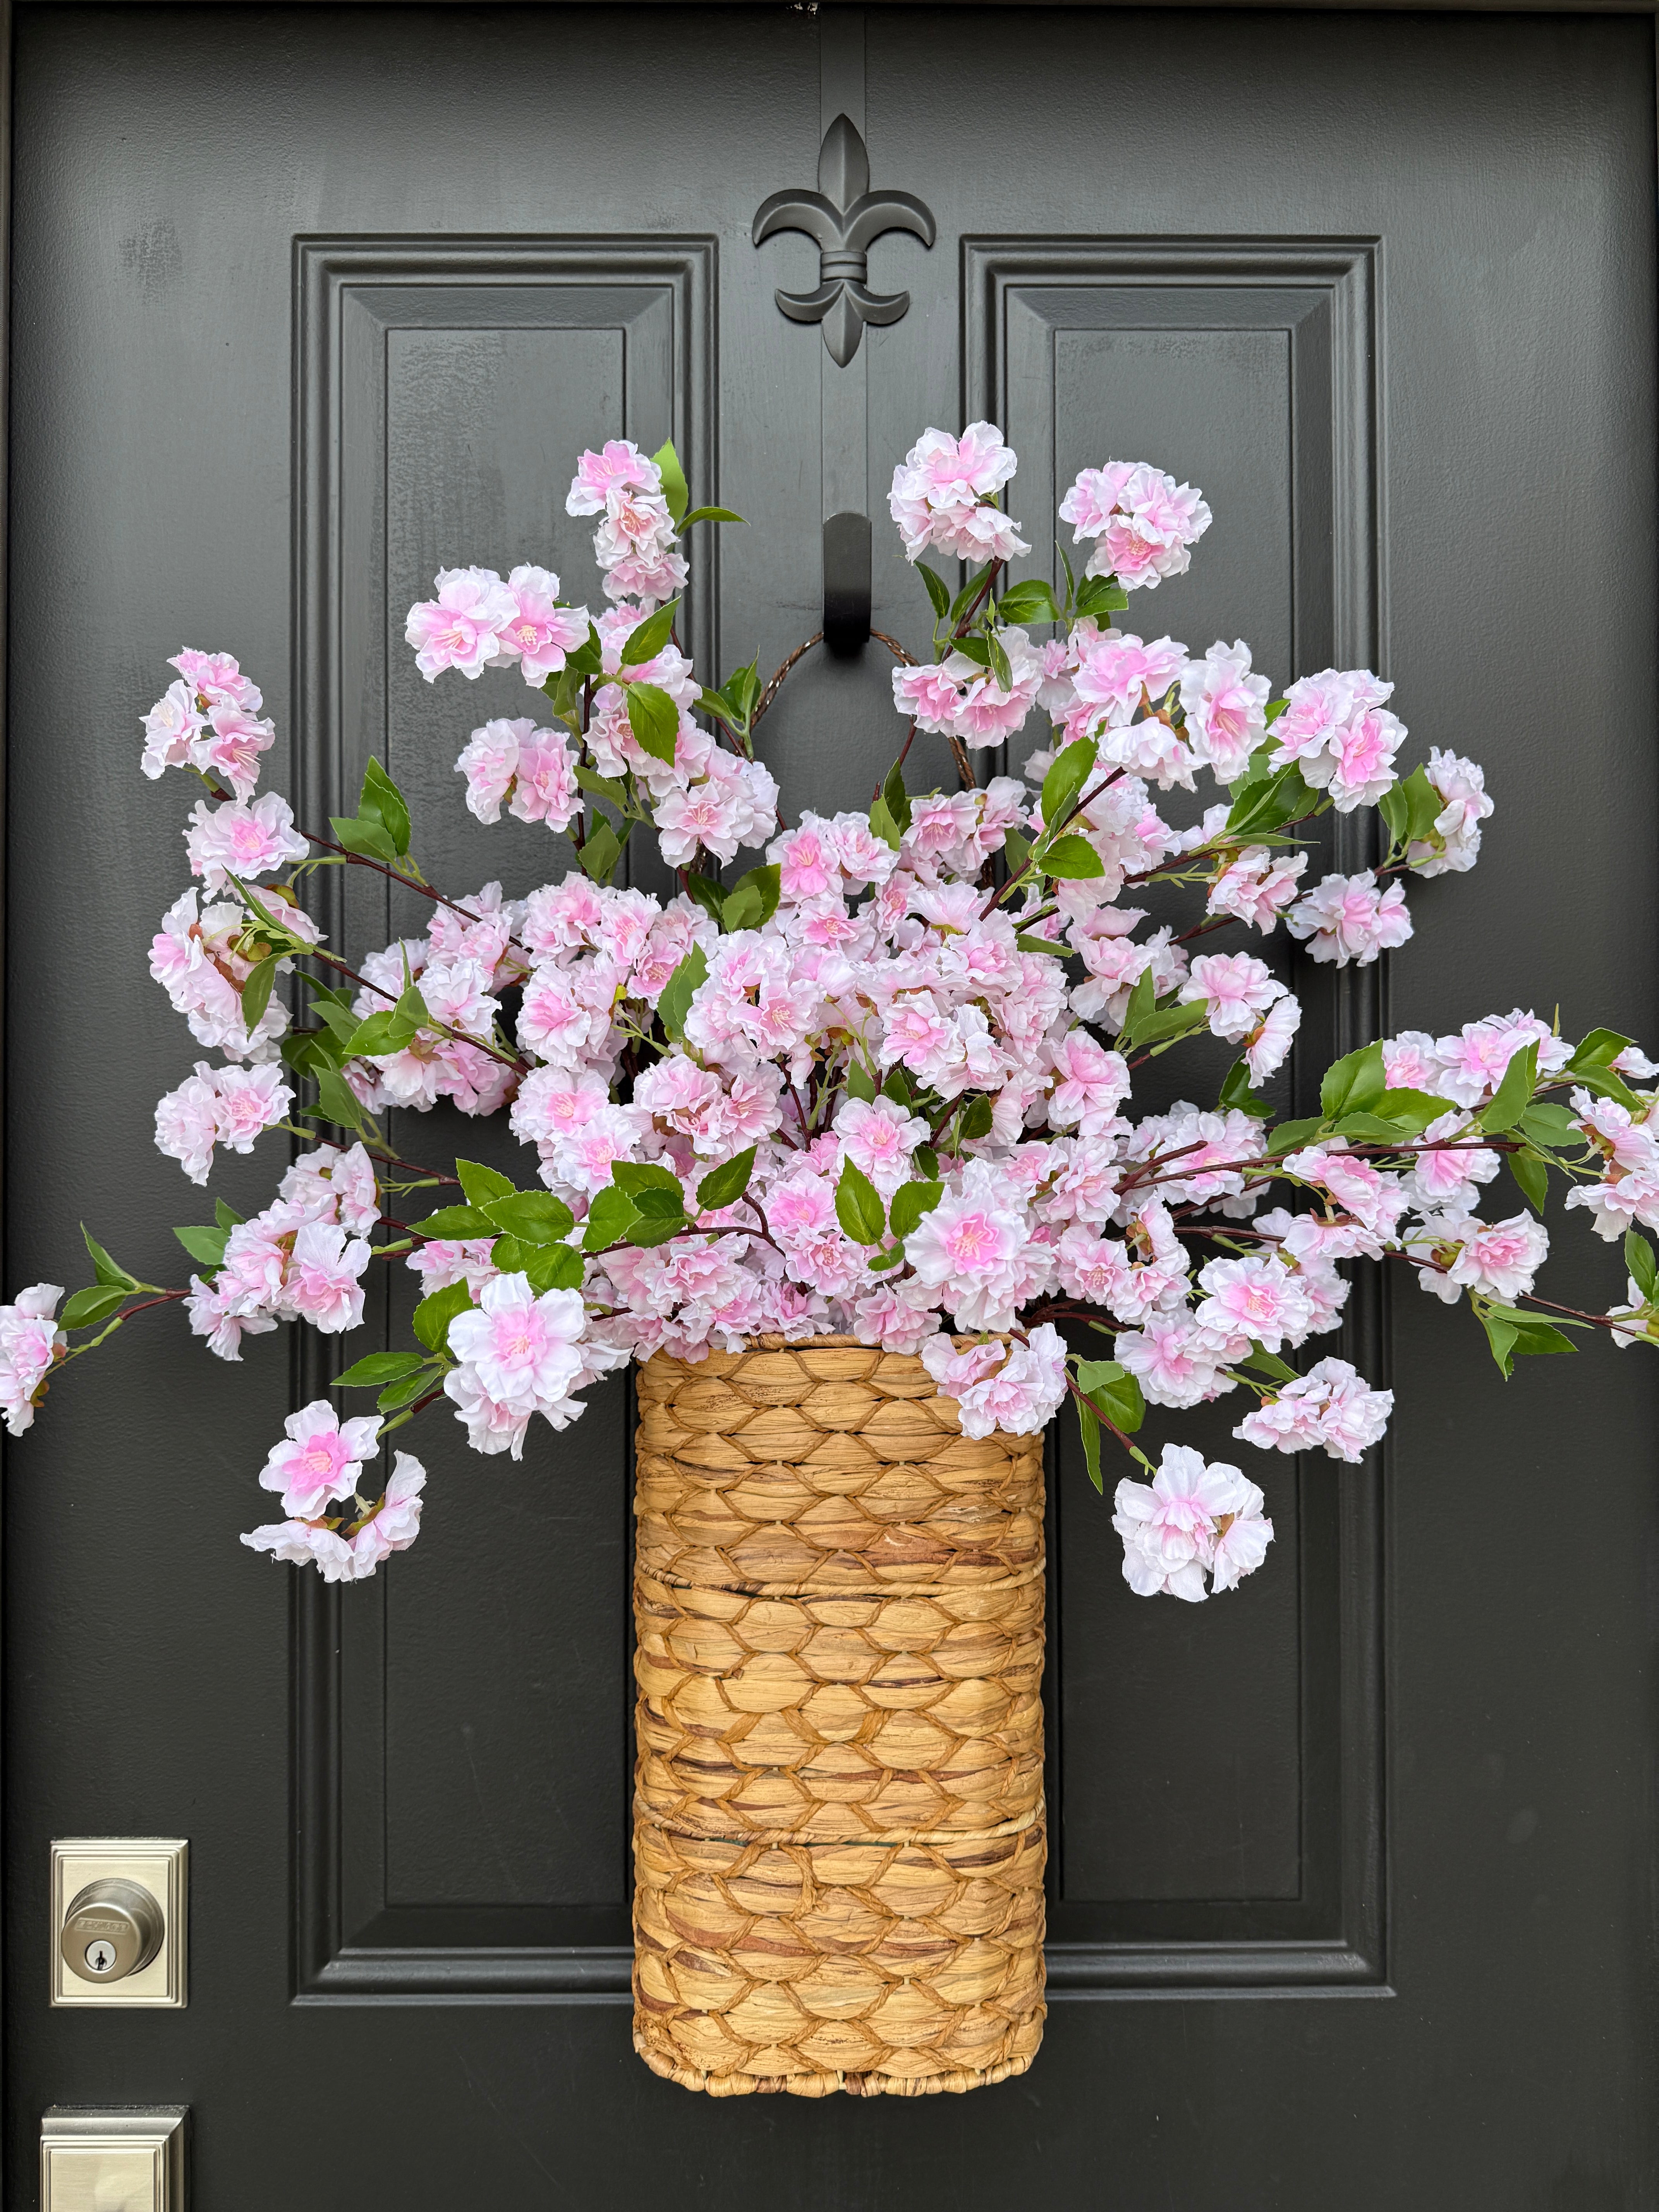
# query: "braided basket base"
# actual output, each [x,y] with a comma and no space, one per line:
[838,1832]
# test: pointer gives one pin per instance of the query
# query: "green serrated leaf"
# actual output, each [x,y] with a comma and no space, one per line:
[1031,601]
[882,825]
[1114,1393]
[1544,1122]
[336,1102]
[1102,595]
[205,1245]
[635,1176]
[603,787]
[1067,776]
[434,1314]
[1238,1096]
[227,1216]
[535,1215]
[552,1267]
[858,1207]
[380,1034]
[1268,1362]
[1600,1047]
[1143,999]
[1514,1093]
[1641,1265]
[707,514]
[1423,805]
[1533,1177]
[1001,665]
[611,1220]
[1355,1083]
[256,991]
[1285,797]
[897,797]
[977,1118]
[456,1223]
[1170,1023]
[709,896]
[652,1204]
[1045,946]
[95,1304]
[725,1185]
[107,1271]
[860,1083]
[382,802]
[379,1369]
[911,1203]
[938,589]
[646,639]
[1291,1136]
[655,719]
[674,488]
[601,853]
[656,1228]
[480,1184]
[367,839]
[405,1393]
[1413,1110]
[1074,858]
[586,658]
[1089,1429]
[681,987]
[754,898]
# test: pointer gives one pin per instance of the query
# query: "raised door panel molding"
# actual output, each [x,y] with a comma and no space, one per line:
[461,1740]
[1205,1842]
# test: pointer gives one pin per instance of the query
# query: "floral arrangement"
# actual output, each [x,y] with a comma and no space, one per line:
[879,1083]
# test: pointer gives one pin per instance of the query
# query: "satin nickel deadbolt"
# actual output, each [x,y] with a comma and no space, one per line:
[117,1917]
[112,1929]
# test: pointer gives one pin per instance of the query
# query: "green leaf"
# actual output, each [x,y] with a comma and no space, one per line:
[206,1245]
[646,639]
[1268,1362]
[858,1207]
[1143,999]
[227,1216]
[635,1176]
[897,1087]
[535,1215]
[656,1228]
[976,1119]
[434,1314]
[1114,1393]
[1072,858]
[106,1270]
[1102,595]
[707,514]
[897,797]
[1043,945]
[600,854]
[256,991]
[611,1220]
[674,488]
[406,1392]
[551,1268]
[860,1083]
[708,894]
[1546,1123]
[456,1223]
[1641,1265]
[1016,850]
[882,825]
[412,1007]
[1514,1093]
[1500,1335]
[1067,776]
[1291,1136]
[655,719]
[997,654]
[1413,1109]
[938,589]
[95,1304]
[1283,797]
[911,1202]
[382,802]
[336,1101]
[1538,1338]
[367,839]
[754,898]
[1606,1084]
[1423,805]
[680,989]
[926,1159]
[1354,1083]
[482,1184]
[890,1258]
[725,1185]
[1533,1176]
[1030,602]
[379,1369]
[969,591]
[382,1033]
[1089,1429]
[1173,1022]
[586,658]
[1236,1094]
[603,787]
[654,1204]
[1598,1048]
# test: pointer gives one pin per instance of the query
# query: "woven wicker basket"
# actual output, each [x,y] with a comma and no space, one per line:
[838,1820]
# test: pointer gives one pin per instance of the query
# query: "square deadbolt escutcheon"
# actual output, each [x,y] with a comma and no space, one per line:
[158,1864]
[117,2159]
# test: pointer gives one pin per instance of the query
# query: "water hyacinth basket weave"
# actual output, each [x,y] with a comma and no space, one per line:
[838,1822]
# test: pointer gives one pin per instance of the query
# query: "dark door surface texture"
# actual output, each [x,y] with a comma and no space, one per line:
[1352,1894]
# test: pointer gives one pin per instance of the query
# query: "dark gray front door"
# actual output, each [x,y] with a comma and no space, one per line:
[1353,1899]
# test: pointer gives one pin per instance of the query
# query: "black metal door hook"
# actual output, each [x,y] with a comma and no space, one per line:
[847,583]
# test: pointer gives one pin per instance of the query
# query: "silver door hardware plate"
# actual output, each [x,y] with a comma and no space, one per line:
[120,1920]
[121,2159]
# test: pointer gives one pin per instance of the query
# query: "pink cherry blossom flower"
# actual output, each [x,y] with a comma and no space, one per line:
[304,1544]
[1331,1408]
[618,463]
[31,1343]
[1252,1301]
[1144,524]
[1090,1084]
[1225,708]
[1347,918]
[242,838]
[1172,1526]
[1454,843]
[171,728]
[1357,765]
[335,1186]
[941,490]
[1256,887]
[323,1284]
[521,1346]
[1500,1259]
[976,1251]
[1318,709]
[879,1137]
[1269,1044]
[1235,989]
[465,626]
[319,1459]
[394,1522]
[220,1312]
[1472,1063]
[1242,1537]
[1411,1062]
[1020,1394]
[1172,1358]
[540,632]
